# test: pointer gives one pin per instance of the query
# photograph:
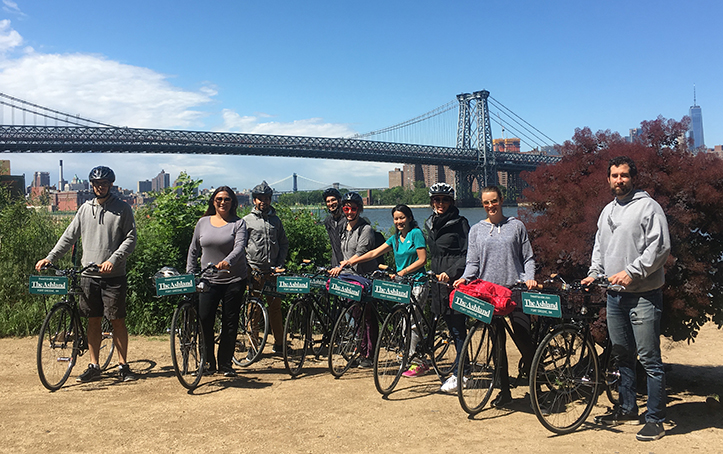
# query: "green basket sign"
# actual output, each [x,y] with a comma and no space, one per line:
[344,289]
[391,291]
[319,282]
[475,308]
[175,285]
[541,304]
[48,285]
[289,284]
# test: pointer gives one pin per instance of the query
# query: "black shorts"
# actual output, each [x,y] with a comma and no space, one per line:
[103,296]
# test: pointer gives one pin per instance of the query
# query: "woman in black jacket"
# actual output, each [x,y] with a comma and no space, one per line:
[447,233]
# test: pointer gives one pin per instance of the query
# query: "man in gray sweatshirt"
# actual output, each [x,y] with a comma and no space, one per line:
[107,230]
[631,246]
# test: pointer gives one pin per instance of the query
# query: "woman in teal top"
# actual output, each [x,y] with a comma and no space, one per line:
[410,254]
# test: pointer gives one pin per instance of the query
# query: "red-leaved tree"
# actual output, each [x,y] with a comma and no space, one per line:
[566,199]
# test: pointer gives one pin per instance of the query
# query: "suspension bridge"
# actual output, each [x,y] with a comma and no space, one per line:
[469,153]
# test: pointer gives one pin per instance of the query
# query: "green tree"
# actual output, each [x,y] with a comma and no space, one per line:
[566,199]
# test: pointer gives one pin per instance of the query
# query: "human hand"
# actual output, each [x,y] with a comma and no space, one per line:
[443,277]
[42,264]
[105,267]
[458,282]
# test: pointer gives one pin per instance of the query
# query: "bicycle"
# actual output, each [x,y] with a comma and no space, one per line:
[62,335]
[392,355]
[565,376]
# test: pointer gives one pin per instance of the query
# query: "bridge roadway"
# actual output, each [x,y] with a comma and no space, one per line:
[82,139]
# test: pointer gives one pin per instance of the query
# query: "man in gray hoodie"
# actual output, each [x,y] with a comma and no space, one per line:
[107,230]
[266,252]
[631,246]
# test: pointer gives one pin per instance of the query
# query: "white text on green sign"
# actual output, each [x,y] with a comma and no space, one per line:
[174,285]
[344,289]
[289,284]
[391,291]
[541,304]
[48,285]
[475,308]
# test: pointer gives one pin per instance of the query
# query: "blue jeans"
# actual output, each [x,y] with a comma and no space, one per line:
[634,326]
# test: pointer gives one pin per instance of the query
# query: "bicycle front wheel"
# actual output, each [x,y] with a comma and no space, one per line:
[57,347]
[296,331]
[477,366]
[188,349]
[611,374]
[392,350]
[564,380]
[107,347]
[253,330]
[443,351]
[346,339]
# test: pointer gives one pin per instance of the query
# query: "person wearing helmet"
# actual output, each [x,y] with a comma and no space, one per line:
[446,233]
[107,230]
[266,253]
[335,223]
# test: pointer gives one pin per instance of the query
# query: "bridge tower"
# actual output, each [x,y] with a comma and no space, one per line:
[474,133]
[295,186]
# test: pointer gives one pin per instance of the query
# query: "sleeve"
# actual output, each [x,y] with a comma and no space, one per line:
[596,265]
[239,242]
[418,239]
[283,246]
[472,264]
[657,249]
[528,257]
[69,237]
[366,240]
[128,230]
[193,250]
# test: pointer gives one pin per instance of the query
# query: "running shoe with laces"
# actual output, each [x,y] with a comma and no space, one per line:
[450,386]
[125,374]
[416,371]
[91,373]
[616,417]
[651,431]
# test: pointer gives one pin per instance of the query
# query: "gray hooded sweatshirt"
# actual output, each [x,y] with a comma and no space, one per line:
[632,235]
[108,233]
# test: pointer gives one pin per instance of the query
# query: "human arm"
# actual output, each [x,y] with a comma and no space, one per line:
[419,263]
[127,229]
[194,250]
[69,237]
[374,253]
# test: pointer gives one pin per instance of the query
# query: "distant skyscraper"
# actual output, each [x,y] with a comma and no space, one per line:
[696,124]
[41,179]
[161,181]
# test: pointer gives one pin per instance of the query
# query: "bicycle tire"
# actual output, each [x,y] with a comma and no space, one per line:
[320,326]
[188,348]
[107,346]
[57,346]
[477,365]
[392,350]
[611,375]
[346,338]
[296,336]
[253,330]
[564,380]
[443,352]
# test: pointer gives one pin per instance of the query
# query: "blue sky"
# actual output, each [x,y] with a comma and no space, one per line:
[335,68]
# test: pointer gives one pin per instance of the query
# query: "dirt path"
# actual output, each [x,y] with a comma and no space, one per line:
[263,410]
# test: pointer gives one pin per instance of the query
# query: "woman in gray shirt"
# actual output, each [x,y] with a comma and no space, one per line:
[220,238]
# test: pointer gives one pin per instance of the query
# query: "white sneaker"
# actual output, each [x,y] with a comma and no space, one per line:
[450,386]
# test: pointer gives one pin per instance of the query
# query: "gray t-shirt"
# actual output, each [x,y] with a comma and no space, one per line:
[358,241]
[216,244]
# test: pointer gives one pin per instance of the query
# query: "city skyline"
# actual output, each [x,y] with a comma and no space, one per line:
[333,70]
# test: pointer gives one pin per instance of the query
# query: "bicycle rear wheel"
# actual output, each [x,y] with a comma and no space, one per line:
[564,380]
[253,329]
[296,330]
[477,366]
[188,349]
[57,347]
[346,338]
[611,375]
[107,347]
[392,350]
[443,351]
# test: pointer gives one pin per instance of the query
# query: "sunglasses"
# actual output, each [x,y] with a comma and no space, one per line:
[349,209]
[488,203]
[222,199]
[441,200]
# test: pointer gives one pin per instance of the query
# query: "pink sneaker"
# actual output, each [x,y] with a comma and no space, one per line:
[416,371]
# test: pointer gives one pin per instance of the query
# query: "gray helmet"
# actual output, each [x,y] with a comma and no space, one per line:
[331,192]
[441,189]
[262,189]
[102,173]
[353,197]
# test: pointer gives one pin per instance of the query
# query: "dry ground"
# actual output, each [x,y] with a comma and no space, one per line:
[263,410]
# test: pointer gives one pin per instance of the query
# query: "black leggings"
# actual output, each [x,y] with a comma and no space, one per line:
[231,296]
[522,336]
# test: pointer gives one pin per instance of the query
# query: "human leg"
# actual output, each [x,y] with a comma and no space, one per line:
[231,305]
[207,305]
[457,327]
[623,341]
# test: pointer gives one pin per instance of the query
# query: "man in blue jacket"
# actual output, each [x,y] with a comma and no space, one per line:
[631,246]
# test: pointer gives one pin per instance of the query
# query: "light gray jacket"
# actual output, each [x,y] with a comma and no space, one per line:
[108,233]
[632,235]
[267,243]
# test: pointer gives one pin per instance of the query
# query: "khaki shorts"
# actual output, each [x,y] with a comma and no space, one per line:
[103,296]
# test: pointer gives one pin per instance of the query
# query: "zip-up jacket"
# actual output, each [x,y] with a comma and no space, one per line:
[267,243]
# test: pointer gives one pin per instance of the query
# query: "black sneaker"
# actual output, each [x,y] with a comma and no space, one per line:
[125,374]
[502,399]
[277,349]
[91,373]
[228,371]
[366,363]
[651,431]
[617,417]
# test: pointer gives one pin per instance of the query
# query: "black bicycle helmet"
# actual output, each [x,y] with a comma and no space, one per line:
[354,198]
[102,173]
[262,189]
[441,189]
[331,192]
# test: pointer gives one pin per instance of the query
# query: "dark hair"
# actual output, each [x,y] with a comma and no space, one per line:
[211,210]
[620,160]
[492,188]
[408,213]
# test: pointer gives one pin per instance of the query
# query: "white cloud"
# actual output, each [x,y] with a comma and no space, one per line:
[251,124]
[12,8]
[9,38]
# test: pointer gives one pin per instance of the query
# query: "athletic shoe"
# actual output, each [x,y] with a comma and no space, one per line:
[228,371]
[125,374]
[651,431]
[416,371]
[616,417]
[502,399]
[91,373]
[278,349]
[450,386]
[366,363]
